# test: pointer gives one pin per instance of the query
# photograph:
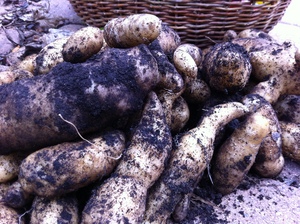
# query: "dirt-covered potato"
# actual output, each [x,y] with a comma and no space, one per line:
[9,166]
[132,30]
[196,91]
[62,209]
[12,75]
[66,167]
[82,44]
[180,114]
[49,56]
[187,58]
[229,35]
[9,215]
[93,95]
[290,140]
[187,162]
[227,67]
[122,197]
[288,108]
[269,160]
[16,197]
[254,33]
[237,155]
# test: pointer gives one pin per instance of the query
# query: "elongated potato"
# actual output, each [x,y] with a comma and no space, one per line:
[122,198]
[188,161]
[237,154]
[92,95]
[82,44]
[269,160]
[49,56]
[132,30]
[187,58]
[57,210]
[11,75]
[291,140]
[66,167]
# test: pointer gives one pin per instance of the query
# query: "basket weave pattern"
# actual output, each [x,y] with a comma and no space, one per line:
[198,22]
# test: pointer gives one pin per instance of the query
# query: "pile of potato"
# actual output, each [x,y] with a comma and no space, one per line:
[118,125]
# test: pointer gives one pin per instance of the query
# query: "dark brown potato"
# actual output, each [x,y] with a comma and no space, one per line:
[92,95]
[227,67]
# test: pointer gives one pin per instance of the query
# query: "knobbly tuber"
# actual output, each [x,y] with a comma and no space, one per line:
[122,197]
[66,167]
[188,161]
[92,95]
[237,154]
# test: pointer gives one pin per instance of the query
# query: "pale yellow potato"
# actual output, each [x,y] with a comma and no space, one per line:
[83,44]
[9,166]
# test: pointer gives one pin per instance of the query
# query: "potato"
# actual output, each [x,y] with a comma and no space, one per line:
[168,40]
[187,162]
[11,75]
[83,44]
[122,197]
[57,210]
[227,67]
[237,154]
[269,160]
[288,108]
[254,33]
[9,215]
[187,58]
[92,95]
[132,30]
[229,35]
[9,166]
[49,56]
[170,79]
[196,91]
[180,114]
[290,140]
[28,63]
[66,167]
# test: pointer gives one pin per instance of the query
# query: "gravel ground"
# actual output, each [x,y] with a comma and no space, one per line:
[32,24]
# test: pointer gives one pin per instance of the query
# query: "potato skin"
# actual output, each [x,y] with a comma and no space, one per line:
[132,30]
[82,44]
[227,67]
[62,210]
[66,167]
[9,215]
[9,166]
[288,108]
[92,95]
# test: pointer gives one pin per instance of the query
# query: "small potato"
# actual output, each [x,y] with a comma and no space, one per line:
[180,114]
[229,35]
[16,197]
[227,67]
[82,44]
[57,210]
[187,58]
[254,33]
[9,166]
[196,91]
[49,56]
[132,30]
[9,215]
[28,63]
[291,140]
[12,75]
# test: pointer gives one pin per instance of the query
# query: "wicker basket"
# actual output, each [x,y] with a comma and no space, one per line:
[199,22]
